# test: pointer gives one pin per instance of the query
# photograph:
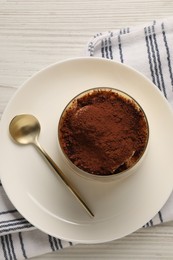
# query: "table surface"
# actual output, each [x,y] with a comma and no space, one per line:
[36,33]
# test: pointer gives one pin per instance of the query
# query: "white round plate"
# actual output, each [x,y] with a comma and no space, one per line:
[39,195]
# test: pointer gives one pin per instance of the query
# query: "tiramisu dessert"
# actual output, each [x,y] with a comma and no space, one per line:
[103,131]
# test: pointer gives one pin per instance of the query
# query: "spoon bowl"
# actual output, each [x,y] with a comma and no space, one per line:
[25,129]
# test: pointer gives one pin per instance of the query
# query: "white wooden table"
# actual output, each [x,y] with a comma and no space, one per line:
[34,34]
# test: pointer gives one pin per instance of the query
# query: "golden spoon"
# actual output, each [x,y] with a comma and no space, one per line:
[25,129]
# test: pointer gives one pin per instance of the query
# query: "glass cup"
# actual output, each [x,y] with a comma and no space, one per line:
[103,134]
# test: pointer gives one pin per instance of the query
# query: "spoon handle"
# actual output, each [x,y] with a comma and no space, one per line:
[63,177]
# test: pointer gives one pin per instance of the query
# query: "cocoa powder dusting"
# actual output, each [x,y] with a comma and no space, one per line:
[103,132]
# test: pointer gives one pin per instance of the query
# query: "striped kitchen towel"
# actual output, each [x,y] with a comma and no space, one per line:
[149,50]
